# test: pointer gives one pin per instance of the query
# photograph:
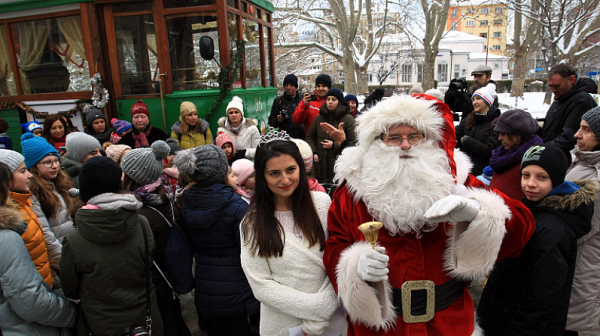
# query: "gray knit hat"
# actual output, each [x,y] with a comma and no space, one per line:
[205,165]
[11,158]
[79,145]
[592,118]
[144,165]
[516,122]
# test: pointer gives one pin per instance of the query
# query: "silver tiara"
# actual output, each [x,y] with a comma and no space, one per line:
[273,135]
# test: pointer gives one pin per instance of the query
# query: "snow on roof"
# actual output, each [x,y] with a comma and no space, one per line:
[481,55]
[458,36]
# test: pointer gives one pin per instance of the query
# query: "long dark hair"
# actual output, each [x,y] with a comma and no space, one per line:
[50,119]
[261,228]
[5,180]
[44,191]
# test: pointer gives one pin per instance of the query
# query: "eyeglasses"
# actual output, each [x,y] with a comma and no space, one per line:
[50,163]
[395,140]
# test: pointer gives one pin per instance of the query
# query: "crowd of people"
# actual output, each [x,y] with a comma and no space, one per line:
[88,219]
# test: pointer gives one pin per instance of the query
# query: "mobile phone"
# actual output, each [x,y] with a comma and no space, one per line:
[62,149]
[313,97]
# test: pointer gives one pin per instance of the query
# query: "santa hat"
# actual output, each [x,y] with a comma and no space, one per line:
[423,112]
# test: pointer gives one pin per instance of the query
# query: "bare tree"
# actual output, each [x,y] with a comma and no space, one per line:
[525,34]
[346,30]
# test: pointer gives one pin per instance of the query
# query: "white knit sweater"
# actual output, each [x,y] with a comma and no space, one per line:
[293,289]
[247,137]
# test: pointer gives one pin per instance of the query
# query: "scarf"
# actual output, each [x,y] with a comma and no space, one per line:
[236,130]
[141,138]
[149,197]
[502,159]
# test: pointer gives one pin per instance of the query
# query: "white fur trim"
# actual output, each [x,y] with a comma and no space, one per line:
[418,113]
[367,302]
[477,331]
[463,166]
[474,246]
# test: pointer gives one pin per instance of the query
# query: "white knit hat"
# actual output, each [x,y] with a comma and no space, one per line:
[486,94]
[305,152]
[236,103]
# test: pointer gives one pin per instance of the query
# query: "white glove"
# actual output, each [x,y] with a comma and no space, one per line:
[453,208]
[373,264]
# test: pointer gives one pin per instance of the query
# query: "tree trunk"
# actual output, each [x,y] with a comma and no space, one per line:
[362,85]
[349,75]
[519,72]
[428,69]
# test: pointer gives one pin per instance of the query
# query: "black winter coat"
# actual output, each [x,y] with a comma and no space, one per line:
[479,141]
[286,105]
[212,216]
[564,116]
[529,295]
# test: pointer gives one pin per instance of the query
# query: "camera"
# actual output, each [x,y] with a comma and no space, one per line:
[458,84]
[286,114]
[314,97]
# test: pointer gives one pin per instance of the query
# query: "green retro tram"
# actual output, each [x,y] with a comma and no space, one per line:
[56,55]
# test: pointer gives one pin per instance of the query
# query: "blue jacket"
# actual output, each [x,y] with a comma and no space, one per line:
[27,305]
[212,217]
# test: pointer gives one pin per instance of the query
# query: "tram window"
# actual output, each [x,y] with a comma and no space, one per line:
[252,51]
[187,3]
[267,57]
[190,71]
[51,55]
[7,83]
[132,7]
[232,26]
[137,54]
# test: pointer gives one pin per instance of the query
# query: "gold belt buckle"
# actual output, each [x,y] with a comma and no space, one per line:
[407,289]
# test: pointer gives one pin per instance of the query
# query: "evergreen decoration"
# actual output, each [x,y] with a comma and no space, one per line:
[224,77]
[41,115]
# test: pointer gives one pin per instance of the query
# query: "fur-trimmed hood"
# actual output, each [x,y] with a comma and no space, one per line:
[11,219]
[201,126]
[248,122]
[576,209]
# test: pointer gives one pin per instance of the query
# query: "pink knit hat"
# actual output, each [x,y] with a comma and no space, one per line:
[224,138]
[116,151]
[305,152]
[242,168]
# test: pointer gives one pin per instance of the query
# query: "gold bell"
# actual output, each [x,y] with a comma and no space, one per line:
[371,231]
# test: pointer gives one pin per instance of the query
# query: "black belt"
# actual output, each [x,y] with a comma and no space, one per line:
[440,298]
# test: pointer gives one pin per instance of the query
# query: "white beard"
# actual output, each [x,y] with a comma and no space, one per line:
[398,191]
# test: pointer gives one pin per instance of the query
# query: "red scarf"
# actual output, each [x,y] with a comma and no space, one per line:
[141,138]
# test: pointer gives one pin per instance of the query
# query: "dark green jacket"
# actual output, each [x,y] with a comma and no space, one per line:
[71,168]
[103,265]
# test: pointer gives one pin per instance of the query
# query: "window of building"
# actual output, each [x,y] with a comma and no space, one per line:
[442,73]
[484,35]
[370,77]
[484,10]
[499,10]
[470,10]
[483,22]
[419,73]
[498,34]
[453,26]
[406,73]
[497,22]
[456,71]
[393,75]
[496,47]
[454,13]
[470,23]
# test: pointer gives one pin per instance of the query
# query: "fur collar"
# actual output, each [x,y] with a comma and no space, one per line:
[10,217]
[248,122]
[201,126]
[585,195]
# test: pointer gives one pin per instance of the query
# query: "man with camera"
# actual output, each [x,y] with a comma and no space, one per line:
[284,107]
[306,111]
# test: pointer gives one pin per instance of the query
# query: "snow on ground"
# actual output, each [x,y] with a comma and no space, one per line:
[532,102]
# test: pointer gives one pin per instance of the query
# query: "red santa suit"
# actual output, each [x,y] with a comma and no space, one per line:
[442,253]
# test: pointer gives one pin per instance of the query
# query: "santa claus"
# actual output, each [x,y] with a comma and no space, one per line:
[441,228]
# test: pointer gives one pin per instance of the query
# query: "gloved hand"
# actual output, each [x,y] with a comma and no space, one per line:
[453,208]
[373,264]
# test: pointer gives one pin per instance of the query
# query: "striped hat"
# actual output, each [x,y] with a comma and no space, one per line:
[486,94]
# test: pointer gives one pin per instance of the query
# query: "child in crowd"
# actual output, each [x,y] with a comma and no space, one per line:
[529,295]
[80,147]
[5,141]
[244,170]
[33,127]
[211,213]
[307,156]
[19,193]
[225,142]
[27,305]
[115,152]
[232,181]
[121,127]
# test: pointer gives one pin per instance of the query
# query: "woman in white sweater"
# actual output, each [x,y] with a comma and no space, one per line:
[283,237]
[243,131]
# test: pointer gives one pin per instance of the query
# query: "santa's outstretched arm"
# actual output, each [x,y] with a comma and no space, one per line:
[488,226]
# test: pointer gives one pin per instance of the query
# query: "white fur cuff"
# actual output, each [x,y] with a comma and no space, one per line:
[367,302]
[474,246]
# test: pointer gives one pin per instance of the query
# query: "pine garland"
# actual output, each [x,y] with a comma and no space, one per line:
[79,104]
[224,77]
